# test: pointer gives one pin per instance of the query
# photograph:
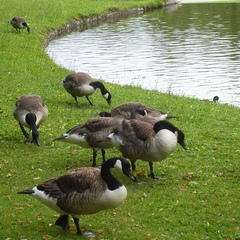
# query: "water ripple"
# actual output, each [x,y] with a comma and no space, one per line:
[193,52]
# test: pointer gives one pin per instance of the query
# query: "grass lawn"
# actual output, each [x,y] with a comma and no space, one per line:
[199,198]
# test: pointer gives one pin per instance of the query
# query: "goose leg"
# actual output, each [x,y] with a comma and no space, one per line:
[76,100]
[24,131]
[63,222]
[89,100]
[152,175]
[94,157]
[103,155]
[87,234]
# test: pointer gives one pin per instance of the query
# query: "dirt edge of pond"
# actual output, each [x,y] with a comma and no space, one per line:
[95,20]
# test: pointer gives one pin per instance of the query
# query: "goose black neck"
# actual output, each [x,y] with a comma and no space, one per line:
[25,25]
[107,176]
[135,112]
[164,125]
[99,85]
[31,119]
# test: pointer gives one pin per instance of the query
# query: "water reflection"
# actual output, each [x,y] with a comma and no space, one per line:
[193,51]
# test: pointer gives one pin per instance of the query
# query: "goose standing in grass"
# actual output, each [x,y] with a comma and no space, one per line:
[92,134]
[19,23]
[30,111]
[83,191]
[125,110]
[81,84]
[215,99]
[139,140]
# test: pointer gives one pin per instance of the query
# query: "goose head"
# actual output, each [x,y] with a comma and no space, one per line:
[215,99]
[104,114]
[118,163]
[107,96]
[169,126]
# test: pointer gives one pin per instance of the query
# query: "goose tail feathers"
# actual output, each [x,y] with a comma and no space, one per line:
[168,117]
[27,191]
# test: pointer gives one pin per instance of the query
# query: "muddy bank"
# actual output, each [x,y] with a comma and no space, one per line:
[92,21]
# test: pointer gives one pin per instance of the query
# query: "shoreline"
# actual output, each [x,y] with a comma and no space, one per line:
[95,20]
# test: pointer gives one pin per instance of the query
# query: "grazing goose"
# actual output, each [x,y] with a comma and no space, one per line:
[139,140]
[125,110]
[19,23]
[30,111]
[215,99]
[92,134]
[81,84]
[83,191]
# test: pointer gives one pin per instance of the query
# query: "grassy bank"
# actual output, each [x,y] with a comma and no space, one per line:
[199,198]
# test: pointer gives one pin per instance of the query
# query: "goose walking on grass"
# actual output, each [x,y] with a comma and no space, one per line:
[19,23]
[92,134]
[30,111]
[126,110]
[139,140]
[83,191]
[81,84]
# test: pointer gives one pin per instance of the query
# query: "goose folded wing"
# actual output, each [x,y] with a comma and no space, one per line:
[79,180]
[51,188]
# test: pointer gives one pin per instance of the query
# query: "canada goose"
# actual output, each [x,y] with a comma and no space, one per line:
[19,23]
[83,191]
[81,84]
[139,140]
[215,99]
[92,134]
[125,110]
[30,111]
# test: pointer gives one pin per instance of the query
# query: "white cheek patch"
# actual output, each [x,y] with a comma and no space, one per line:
[162,117]
[118,165]
[176,133]
[106,96]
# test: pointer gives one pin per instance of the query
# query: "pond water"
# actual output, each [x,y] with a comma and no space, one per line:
[191,50]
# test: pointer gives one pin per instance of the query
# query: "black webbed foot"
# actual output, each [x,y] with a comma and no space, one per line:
[63,222]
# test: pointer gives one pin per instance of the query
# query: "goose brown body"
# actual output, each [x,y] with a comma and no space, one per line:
[127,110]
[19,23]
[30,111]
[83,191]
[92,134]
[139,140]
[81,84]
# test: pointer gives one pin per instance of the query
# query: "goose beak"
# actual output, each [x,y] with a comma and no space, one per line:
[183,145]
[65,135]
[36,141]
[129,174]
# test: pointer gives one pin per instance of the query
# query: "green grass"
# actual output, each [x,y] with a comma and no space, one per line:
[199,198]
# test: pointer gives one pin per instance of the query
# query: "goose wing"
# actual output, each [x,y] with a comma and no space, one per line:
[79,180]
[51,188]
[134,131]
[80,190]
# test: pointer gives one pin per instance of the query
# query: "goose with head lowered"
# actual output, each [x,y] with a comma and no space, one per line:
[127,109]
[83,191]
[30,111]
[81,84]
[19,23]
[92,134]
[139,140]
